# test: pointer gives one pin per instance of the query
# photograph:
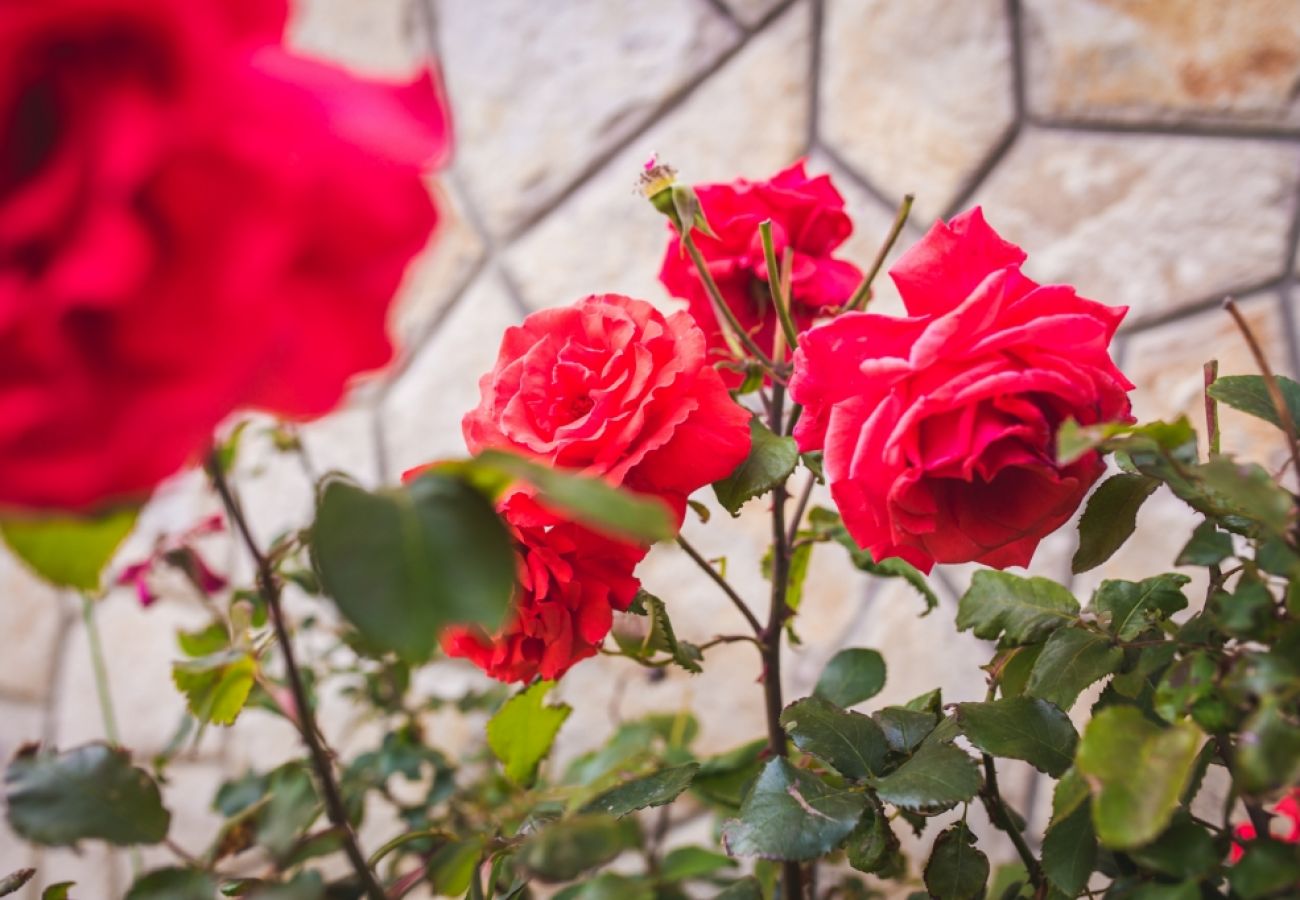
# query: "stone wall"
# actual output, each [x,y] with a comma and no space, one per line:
[1147,151]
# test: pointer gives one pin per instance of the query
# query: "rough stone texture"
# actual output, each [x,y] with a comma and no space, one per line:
[536,98]
[751,12]
[916,95]
[1170,60]
[1151,222]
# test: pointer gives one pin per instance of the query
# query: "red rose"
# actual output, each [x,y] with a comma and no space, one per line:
[807,215]
[939,430]
[612,387]
[1288,808]
[192,220]
[570,582]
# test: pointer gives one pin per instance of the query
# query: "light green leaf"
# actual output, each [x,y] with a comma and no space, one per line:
[523,730]
[453,864]
[403,564]
[1025,610]
[956,870]
[1110,517]
[216,687]
[937,777]
[849,741]
[771,460]
[656,789]
[1132,607]
[852,675]
[69,551]
[58,799]
[791,815]
[1074,440]
[1021,728]
[58,891]
[1071,660]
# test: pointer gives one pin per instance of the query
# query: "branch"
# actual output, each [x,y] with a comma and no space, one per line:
[720,307]
[1001,817]
[722,583]
[1270,381]
[859,299]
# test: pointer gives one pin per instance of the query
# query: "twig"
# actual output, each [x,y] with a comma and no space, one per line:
[774,282]
[1270,381]
[1001,817]
[799,508]
[859,299]
[720,307]
[320,757]
[1211,370]
[722,583]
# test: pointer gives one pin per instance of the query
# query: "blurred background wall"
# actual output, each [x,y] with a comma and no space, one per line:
[1146,151]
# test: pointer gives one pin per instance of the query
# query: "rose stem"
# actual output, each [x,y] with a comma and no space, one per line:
[774,283]
[791,873]
[1211,370]
[860,297]
[270,589]
[720,307]
[1270,381]
[999,813]
[722,583]
[804,496]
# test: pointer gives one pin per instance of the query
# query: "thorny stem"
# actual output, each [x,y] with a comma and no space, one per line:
[306,719]
[804,496]
[720,307]
[998,813]
[859,299]
[722,583]
[1211,370]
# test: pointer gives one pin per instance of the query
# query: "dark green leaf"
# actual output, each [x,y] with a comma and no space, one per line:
[1021,728]
[1188,890]
[1132,607]
[57,799]
[693,862]
[746,888]
[173,884]
[453,865]
[649,790]
[1014,674]
[1070,850]
[1025,610]
[563,850]
[1184,850]
[851,676]
[957,870]
[791,815]
[69,551]
[1267,866]
[303,886]
[1249,393]
[1187,681]
[662,637]
[1247,612]
[827,525]
[905,728]
[216,687]
[292,806]
[1246,490]
[608,886]
[523,730]
[1208,547]
[1268,750]
[404,564]
[1071,660]
[1110,517]
[771,460]
[937,777]
[1138,771]
[849,741]
[873,847]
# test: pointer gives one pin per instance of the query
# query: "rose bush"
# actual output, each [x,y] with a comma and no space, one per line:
[939,429]
[807,216]
[192,220]
[613,388]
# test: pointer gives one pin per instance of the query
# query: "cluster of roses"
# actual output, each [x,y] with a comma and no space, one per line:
[938,429]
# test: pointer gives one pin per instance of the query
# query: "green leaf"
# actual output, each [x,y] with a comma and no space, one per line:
[663,637]
[1133,607]
[957,870]
[523,730]
[873,847]
[609,886]
[772,458]
[292,806]
[827,525]
[1207,547]
[685,863]
[1071,660]
[905,728]
[937,777]
[585,499]
[453,865]
[216,687]
[306,885]
[563,850]
[58,891]
[1184,850]
[1074,440]
[852,675]
[1268,750]
[1025,610]
[1249,393]
[1187,681]
[1070,849]
[746,888]
[57,799]
[173,884]
[403,564]
[1137,770]
[69,551]
[656,789]
[1021,728]
[1246,490]
[849,741]
[791,815]
[1109,518]
[1267,867]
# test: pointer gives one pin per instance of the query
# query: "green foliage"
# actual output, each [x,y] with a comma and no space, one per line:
[999,605]
[850,742]
[403,564]
[522,731]
[656,789]
[563,850]
[69,551]
[1249,393]
[90,792]
[936,777]
[791,815]
[1110,517]
[1071,660]
[771,460]
[173,884]
[1021,728]
[957,870]
[853,675]
[217,686]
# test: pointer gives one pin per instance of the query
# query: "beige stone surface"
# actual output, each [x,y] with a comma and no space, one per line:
[916,95]
[536,99]
[751,12]
[607,238]
[1151,222]
[377,37]
[1164,60]
[32,616]
[20,723]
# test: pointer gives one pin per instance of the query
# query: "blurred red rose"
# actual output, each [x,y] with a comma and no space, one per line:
[1288,808]
[192,220]
[612,387]
[571,580]
[807,216]
[939,430]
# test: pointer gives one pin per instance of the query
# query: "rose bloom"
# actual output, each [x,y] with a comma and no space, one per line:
[192,220]
[939,429]
[613,388]
[570,582]
[807,216]
[1288,808]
